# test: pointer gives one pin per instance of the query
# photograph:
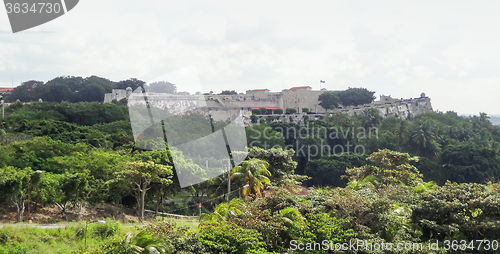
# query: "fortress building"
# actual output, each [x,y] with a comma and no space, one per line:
[297,98]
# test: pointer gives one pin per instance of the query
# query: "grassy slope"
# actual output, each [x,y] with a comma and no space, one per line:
[17,238]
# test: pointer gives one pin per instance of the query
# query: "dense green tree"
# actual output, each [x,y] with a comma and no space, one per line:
[228,92]
[329,100]
[132,83]
[458,212]
[139,175]
[388,167]
[162,87]
[25,92]
[15,187]
[470,163]
[328,170]
[262,135]
[356,96]
[370,118]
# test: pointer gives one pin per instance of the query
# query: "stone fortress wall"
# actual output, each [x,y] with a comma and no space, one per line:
[223,106]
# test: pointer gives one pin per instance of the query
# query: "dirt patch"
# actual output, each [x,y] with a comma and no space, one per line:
[52,214]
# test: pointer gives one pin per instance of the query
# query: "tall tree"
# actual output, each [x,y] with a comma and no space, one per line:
[228,92]
[25,92]
[15,185]
[329,100]
[356,96]
[252,174]
[162,87]
[141,175]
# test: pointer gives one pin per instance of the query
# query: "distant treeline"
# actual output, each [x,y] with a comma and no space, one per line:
[70,89]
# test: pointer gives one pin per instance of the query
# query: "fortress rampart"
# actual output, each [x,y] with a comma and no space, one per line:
[222,107]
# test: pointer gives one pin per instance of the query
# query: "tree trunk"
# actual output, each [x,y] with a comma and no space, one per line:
[80,207]
[158,202]
[19,203]
[143,197]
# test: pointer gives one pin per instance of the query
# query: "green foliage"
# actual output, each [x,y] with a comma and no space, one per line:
[281,164]
[329,100]
[83,113]
[105,230]
[305,110]
[39,153]
[458,211]
[228,92]
[356,96]
[262,135]
[291,111]
[256,112]
[388,168]
[328,170]
[349,97]
[4,237]
[278,111]
[253,118]
[140,175]
[72,89]
[162,87]
[252,174]
[468,162]
[229,238]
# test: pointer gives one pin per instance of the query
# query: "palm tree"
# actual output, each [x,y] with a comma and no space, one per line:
[224,211]
[402,132]
[425,140]
[253,174]
[143,243]
[370,117]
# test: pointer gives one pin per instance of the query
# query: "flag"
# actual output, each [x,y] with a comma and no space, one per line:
[322,81]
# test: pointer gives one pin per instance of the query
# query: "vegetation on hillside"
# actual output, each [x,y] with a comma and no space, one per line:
[431,177]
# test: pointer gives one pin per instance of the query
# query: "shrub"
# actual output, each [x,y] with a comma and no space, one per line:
[305,110]
[291,111]
[4,238]
[253,118]
[229,238]
[263,111]
[278,111]
[256,112]
[105,230]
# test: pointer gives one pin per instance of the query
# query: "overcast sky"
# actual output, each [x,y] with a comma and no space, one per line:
[449,50]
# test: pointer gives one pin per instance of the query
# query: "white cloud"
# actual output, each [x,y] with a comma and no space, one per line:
[449,50]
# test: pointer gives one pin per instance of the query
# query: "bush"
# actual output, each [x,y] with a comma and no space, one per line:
[229,238]
[305,110]
[278,111]
[291,111]
[253,118]
[256,112]
[105,230]
[263,111]
[4,238]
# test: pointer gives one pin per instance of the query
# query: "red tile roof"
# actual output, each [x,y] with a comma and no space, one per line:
[259,90]
[299,87]
[3,90]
